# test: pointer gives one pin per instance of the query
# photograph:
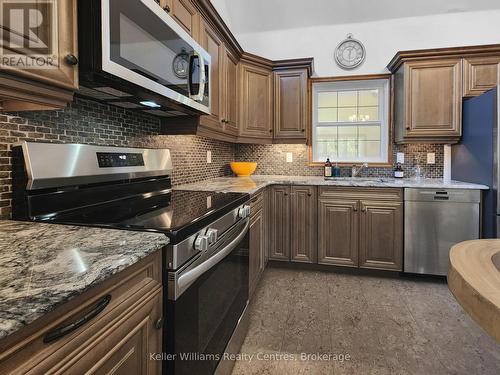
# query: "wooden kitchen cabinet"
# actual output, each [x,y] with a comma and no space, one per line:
[381,235]
[361,227]
[211,42]
[428,101]
[117,340]
[45,89]
[481,74]
[257,241]
[290,104]
[338,232]
[256,102]
[279,233]
[185,13]
[303,228]
[229,93]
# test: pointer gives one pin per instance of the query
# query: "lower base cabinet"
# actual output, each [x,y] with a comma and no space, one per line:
[293,229]
[361,227]
[257,246]
[118,340]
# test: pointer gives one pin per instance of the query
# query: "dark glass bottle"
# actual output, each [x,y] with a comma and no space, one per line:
[328,168]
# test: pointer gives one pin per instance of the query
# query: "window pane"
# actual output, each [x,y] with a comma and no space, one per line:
[327,99]
[347,149]
[369,149]
[348,114]
[368,114]
[326,149]
[368,98]
[348,98]
[369,133]
[327,133]
[348,133]
[327,114]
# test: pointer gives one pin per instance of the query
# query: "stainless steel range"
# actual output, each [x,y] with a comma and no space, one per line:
[206,262]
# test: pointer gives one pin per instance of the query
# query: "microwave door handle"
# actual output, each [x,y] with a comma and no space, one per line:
[201,92]
[192,57]
[186,279]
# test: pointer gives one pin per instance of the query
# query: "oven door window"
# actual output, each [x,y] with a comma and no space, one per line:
[140,41]
[203,319]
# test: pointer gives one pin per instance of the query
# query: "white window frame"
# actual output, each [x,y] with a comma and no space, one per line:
[383,86]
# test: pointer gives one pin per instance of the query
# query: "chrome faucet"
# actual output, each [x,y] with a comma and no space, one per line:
[355,170]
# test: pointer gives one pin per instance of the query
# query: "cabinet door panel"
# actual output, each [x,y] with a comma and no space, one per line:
[434,98]
[381,235]
[338,232]
[481,74]
[62,74]
[184,12]
[280,223]
[213,45]
[230,92]
[256,102]
[290,101]
[303,224]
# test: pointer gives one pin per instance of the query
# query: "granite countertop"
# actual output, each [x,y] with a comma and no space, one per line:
[255,183]
[44,265]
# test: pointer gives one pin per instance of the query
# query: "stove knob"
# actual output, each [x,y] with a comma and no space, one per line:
[201,243]
[212,235]
[244,212]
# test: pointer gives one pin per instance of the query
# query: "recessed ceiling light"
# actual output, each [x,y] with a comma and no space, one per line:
[151,104]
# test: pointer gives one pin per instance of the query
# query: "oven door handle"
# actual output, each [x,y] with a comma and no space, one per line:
[186,279]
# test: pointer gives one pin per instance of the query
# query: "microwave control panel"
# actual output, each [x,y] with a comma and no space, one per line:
[119,159]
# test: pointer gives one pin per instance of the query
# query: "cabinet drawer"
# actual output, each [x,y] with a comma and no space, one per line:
[379,194]
[126,321]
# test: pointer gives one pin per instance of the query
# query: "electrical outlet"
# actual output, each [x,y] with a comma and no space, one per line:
[289,157]
[400,157]
[431,158]
[209,202]
[209,157]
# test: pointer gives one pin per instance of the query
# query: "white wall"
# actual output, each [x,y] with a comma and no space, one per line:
[382,39]
[221,7]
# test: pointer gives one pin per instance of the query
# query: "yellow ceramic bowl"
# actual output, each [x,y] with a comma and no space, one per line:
[243,169]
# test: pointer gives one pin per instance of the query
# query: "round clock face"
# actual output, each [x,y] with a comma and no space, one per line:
[349,54]
[180,65]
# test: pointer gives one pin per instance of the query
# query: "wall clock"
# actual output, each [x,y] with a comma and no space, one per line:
[350,53]
[180,65]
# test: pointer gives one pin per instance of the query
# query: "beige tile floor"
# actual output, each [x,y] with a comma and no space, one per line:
[386,326]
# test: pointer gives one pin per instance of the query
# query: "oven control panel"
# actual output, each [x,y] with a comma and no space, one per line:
[119,159]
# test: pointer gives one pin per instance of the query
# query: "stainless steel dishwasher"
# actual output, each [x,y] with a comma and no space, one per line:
[435,220]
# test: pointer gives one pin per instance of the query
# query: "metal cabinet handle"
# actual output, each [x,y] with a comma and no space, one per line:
[363,209]
[159,323]
[71,59]
[309,194]
[270,130]
[302,130]
[166,8]
[67,329]
[355,209]
[407,128]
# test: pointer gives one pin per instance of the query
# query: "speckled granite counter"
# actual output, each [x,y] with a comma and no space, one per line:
[255,183]
[44,265]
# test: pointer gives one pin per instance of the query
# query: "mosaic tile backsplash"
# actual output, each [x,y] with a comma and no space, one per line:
[86,121]
[271,160]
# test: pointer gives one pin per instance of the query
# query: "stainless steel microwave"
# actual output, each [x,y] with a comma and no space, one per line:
[134,55]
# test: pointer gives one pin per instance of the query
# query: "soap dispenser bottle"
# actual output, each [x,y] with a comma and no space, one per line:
[327,171]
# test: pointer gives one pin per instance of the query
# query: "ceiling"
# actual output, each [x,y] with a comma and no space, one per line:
[248,16]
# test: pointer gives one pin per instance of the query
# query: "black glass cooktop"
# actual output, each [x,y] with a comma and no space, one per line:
[178,214]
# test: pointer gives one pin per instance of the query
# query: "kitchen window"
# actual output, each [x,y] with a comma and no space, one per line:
[351,121]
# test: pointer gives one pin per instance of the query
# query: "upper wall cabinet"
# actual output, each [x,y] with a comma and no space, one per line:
[256,102]
[52,86]
[481,74]
[428,101]
[290,104]
[185,13]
